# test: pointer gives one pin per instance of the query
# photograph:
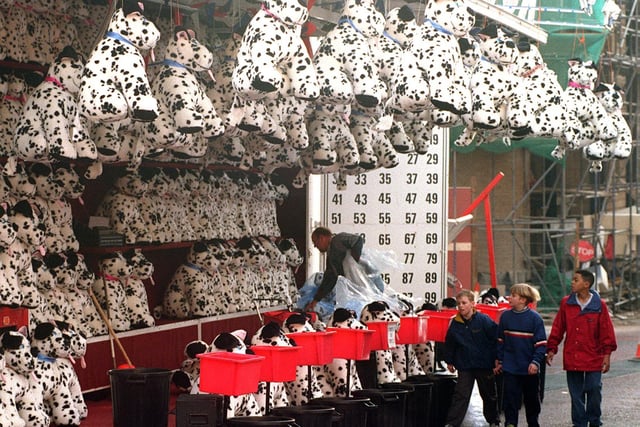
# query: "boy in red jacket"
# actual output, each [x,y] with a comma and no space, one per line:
[589,342]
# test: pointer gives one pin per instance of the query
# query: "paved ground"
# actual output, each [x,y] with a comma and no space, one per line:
[621,385]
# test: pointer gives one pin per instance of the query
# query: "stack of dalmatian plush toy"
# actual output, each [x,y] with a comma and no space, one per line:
[374,88]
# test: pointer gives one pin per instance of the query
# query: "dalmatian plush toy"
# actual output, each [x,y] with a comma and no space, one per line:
[334,379]
[108,289]
[538,87]
[50,345]
[135,292]
[438,58]
[30,238]
[271,334]
[20,395]
[89,322]
[43,131]
[271,48]
[582,104]
[10,292]
[185,111]
[13,98]
[298,390]
[77,351]
[611,96]
[114,84]
[48,191]
[120,205]
[187,378]
[61,212]
[378,311]
[492,85]
[189,291]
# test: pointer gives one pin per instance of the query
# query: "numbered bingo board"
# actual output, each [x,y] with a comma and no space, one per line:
[404,210]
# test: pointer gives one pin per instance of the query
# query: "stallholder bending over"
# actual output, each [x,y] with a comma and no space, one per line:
[336,246]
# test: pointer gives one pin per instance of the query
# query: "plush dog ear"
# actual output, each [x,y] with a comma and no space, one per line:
[132,6]
[43,330]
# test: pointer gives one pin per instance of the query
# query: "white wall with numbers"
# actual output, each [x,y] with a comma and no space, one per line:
[402,209]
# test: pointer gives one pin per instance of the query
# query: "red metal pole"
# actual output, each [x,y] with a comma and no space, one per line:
[490,248]
[484,194]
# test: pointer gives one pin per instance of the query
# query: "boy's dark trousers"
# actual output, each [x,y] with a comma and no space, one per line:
[519,389]
[462,395]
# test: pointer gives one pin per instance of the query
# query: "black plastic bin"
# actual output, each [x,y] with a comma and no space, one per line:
[200,410]
[391,403]
[265,420]
[354,411]
[309,415]
[443,386]
[419,406]
[140,397]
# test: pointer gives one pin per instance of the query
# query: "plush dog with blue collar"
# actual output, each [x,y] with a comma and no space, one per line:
[114,83]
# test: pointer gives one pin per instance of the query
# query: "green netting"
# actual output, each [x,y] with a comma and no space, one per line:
[571,34]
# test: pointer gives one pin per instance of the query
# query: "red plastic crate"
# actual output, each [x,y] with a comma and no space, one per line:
[14,317]
[413,330]
[438,324]
[316,348]
[353,344]
[493,311]
[385,335]
[280,362]
[231,374]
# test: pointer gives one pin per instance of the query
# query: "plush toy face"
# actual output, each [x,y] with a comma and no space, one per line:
[497,47]
[365,17]
[292,254]
[135,28]
[529,59]
[470,51]
[401,25]
[132,185]
[50,341]
[583,73]
[116,265]
[201,256]
[188,51]
[30,232]
[71,182]
[68,70]
[47,186]
[611,96]
[7,231]
[379,311]
[451,15]
[290,12]
[271,334]
[17,352]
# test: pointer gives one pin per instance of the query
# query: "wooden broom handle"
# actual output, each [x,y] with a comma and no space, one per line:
[111,331]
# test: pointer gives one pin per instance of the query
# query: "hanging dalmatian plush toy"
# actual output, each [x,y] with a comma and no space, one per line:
[114,84]
[44,129]
[185,110]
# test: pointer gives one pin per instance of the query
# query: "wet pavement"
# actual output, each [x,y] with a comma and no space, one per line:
[621,385]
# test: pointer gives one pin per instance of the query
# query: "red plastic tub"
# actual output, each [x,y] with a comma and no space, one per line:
[280,362]
[438,323]
[413,330]
[493,311]
[385,335]
[316,348]
[353,344]
[231,374]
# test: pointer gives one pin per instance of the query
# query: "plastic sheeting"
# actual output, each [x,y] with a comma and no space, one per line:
[361,285]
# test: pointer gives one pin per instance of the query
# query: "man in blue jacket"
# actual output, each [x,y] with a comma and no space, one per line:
[471,349]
